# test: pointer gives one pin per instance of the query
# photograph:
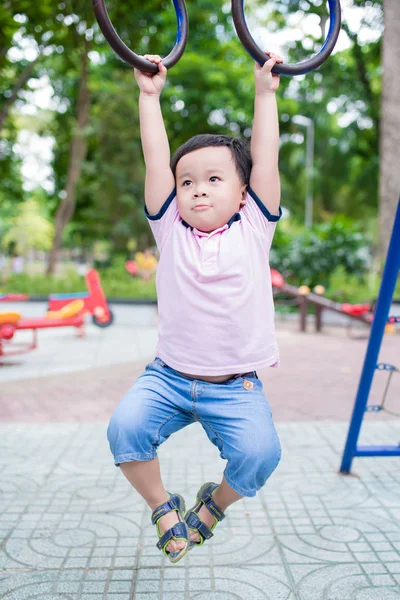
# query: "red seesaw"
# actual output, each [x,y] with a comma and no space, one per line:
[13,297]
[94,300]
[64,311]
[72,316]
[359,312]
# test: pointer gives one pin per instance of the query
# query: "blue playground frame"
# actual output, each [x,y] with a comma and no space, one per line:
[380,319]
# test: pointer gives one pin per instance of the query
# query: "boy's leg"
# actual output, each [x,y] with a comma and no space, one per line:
[223,497]
[145,477]
[154,408]
[238,420]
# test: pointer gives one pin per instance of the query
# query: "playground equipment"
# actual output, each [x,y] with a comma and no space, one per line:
[242,31]
[144,265]
[295,69]
[12,322]
[13,297]
[303,295]
[131,268]
[65,310]
[94,301]
[130,57]
[381,318]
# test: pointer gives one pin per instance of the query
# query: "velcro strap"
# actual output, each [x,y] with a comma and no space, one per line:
[195,522]
[179,530]
[163,510]
[213,508]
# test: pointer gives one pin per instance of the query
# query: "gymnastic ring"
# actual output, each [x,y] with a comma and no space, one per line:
[130,57]
[285,69]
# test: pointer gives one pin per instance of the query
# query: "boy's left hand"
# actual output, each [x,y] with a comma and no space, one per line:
[266,81]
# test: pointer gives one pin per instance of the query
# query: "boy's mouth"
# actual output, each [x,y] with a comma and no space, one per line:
[201,207]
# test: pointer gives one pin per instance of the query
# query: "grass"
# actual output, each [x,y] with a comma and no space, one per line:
[41,285]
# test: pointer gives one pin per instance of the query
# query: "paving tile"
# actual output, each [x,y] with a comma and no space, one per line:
[75,531]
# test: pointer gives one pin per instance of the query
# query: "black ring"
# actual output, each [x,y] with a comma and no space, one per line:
[130,57]
[296,69]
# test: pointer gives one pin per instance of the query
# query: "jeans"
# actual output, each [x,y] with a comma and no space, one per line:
[235,415]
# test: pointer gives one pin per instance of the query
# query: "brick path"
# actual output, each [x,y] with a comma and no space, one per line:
[71,528]
[317,381]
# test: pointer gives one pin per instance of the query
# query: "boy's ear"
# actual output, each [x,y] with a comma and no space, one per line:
[243,194]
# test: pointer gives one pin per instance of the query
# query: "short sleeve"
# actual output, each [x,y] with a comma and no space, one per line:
[259,217]
[161,224]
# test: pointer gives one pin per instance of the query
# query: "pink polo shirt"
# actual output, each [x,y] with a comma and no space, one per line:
[215,303]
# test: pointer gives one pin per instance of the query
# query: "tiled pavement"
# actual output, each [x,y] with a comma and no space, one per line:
[73,529]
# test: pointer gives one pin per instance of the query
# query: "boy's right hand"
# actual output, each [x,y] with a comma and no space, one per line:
[151,84]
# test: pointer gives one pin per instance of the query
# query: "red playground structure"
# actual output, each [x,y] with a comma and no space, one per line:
[65,310]
[94,300]
[13,297]
[303,295]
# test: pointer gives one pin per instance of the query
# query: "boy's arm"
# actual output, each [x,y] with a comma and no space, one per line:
[264,178]
[159,181]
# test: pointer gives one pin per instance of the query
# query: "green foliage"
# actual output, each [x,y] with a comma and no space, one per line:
[11,191]
[116,283]
[309,257]
[209,90]
[41,285]
[356,289]
[28,230]
[342,98]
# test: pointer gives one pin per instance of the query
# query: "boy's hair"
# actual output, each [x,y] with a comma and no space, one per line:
[239,149]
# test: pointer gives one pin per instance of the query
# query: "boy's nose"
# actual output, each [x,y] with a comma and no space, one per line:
[199,194]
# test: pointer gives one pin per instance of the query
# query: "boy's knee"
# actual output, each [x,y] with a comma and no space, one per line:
[120,429]
[113,430]
[249,470]
[129,436]
[266,460]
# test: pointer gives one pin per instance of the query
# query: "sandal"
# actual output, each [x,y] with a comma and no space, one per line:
[179,531]
[204,496]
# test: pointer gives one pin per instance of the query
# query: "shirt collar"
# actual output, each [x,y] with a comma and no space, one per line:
[235,217]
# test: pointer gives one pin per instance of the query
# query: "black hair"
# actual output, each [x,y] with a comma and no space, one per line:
[239,149]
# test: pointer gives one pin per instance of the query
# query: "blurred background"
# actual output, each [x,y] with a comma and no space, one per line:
[71,168]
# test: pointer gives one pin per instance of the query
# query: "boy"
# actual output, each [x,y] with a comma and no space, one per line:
[213,211]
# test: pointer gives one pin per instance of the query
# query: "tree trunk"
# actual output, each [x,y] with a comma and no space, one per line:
[77,154]
[26,73]
[389,175]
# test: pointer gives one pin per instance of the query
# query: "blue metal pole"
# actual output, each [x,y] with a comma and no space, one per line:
[382,308]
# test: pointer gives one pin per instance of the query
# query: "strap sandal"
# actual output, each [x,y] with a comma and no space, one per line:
[180,531]
[204,496]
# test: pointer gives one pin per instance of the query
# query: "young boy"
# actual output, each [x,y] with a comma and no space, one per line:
[213,211]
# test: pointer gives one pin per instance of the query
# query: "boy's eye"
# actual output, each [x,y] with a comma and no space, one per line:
[214,177]
[186,181]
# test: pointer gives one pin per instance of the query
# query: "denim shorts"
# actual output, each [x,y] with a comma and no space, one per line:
[235,415]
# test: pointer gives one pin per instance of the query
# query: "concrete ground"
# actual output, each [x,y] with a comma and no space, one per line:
[71,527]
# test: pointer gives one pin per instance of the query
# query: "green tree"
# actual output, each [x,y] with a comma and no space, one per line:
[110,191]
[342,98]
[78,44]
[29,230]
[98,166]
[28,33]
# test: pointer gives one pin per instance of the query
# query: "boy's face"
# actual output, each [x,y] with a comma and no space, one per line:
[208,188]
